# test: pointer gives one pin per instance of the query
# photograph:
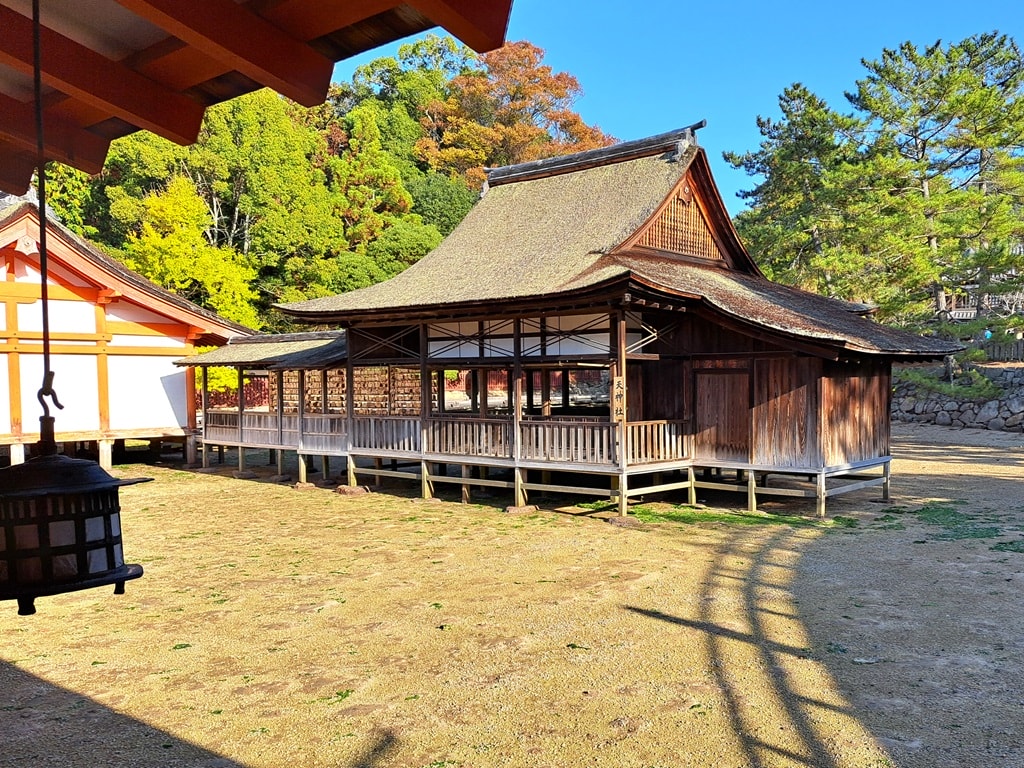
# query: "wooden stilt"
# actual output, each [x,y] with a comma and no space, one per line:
[466,473]
[691,476]
[426,487]
[752,491]
[106,450]
[887,474]
[302,467]
[821,495]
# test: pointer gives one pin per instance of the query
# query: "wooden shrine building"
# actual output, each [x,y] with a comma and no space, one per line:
[114,339]
[594,325]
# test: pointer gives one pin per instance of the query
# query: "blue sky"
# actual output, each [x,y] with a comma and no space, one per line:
[650,66]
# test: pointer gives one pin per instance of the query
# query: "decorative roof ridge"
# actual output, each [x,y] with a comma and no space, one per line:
[277,338]
[679,140]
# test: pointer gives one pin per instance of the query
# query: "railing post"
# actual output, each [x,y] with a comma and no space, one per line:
[241,420]
[206,416]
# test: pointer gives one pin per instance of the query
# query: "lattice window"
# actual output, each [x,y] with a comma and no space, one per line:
[681,228]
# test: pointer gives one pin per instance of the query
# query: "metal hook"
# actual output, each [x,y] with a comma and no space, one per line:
[47,391]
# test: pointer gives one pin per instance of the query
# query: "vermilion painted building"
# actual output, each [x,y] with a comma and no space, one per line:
[114,337]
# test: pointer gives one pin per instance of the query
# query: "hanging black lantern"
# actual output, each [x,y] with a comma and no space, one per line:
[60,529]
[60,518]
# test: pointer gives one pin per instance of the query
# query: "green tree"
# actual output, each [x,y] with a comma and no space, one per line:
[171,249]
[914,195]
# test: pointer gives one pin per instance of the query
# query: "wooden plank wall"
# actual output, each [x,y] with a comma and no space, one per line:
[785,414]
[721,409]
[855,411]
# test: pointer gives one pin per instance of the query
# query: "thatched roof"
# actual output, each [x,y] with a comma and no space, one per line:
[548,233]
[528,239]
[278,352]
[754,301]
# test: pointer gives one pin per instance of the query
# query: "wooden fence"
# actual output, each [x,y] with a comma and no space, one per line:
[1009,352]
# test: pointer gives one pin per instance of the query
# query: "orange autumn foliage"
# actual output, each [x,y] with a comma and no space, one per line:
[514,110]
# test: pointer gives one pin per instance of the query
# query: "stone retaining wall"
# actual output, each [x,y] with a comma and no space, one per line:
[913,403]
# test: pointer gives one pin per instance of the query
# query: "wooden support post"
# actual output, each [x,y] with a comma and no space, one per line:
[280,462]
[426,487]
[206,415]
[887,474]
[350,409]
[301,408]
[106,450]
[378,463]
[623,501]
[279,378]
[620,406]
[521,497]
[752,491]
[426,381]
[821,495]
[516,397]
[241,409]
[241,458]
[302,466]
[466,472]
[691,476]
[191,450]
[325,468]
[220,454]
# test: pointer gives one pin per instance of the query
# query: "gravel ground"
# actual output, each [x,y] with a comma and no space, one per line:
[279,627]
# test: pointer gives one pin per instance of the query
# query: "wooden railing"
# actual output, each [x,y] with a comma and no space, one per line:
[1006,352]
[221,426]
[322,432]
[392,434]
[470,437]
[648,442]
[579,440]
[583,442]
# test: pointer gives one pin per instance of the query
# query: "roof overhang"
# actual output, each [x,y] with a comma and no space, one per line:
[112,67]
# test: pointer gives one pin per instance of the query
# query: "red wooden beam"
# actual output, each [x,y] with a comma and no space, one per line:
[232,34]
[480,25]
[94,79]
[64,141]
[307,21]
[16,169]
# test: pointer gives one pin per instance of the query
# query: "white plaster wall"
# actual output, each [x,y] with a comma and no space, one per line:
[146,392]
[65,317]
[132,313]
[5,401]
[76,387]
[126,340]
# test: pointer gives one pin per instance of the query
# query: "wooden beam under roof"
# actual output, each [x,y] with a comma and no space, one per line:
[307,21]
[242,41]
[16,169]
[65,141]
[473,22]
[94,79]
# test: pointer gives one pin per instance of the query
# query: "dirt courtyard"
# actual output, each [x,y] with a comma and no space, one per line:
[289,628]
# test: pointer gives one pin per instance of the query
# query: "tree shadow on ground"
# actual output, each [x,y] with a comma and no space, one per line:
[781,709]
[46,725]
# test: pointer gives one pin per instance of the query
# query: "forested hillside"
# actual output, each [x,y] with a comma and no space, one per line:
[279,203]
